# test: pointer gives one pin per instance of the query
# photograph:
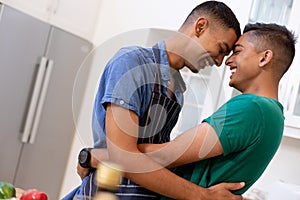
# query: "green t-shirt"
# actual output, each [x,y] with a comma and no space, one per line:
[250,129]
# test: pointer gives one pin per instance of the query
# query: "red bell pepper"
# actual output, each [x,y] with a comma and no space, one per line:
[34,195]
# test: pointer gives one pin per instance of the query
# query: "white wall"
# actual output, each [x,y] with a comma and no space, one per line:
[285,164]
[120,16]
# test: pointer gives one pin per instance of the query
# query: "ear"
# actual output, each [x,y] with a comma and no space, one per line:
[266,58]
[200,25]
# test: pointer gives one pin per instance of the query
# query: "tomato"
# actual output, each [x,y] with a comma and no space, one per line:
[7,190]
[34,195]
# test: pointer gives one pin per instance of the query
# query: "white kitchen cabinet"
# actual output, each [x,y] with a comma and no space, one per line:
[37,8]
[75,16]
[290,88]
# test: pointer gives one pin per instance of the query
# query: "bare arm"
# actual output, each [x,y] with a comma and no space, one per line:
[198,143]
[121,132]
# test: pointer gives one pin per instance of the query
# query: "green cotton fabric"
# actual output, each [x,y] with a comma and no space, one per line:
[250,129]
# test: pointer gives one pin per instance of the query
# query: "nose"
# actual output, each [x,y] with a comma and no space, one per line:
[228,61]
[219,60]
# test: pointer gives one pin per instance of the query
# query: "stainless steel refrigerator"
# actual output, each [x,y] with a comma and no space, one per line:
[38,66]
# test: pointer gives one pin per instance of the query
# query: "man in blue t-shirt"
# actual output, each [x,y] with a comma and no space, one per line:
[139,99]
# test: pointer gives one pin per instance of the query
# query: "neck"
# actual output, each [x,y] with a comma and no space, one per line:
[266,88]
[173,46]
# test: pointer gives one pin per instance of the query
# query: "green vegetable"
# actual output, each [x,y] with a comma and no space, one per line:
[7,190]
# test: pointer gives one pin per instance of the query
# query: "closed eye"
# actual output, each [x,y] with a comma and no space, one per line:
[235,52]
[237,49]
[222,51]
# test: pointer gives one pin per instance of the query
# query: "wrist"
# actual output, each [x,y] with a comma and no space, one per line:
[84,158]
[199,193]
[94,162]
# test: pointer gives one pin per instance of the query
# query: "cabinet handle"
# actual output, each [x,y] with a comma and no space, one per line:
[34,100]
[41,101]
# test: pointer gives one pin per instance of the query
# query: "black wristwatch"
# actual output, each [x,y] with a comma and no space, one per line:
[84,157]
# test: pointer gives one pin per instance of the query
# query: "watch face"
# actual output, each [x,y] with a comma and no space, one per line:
[83,156]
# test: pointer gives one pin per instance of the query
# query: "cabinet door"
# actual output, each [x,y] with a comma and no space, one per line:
[293,106]
[296,110]
[40,9]
[292,87]
[22,40]
[43,163]
[76,16]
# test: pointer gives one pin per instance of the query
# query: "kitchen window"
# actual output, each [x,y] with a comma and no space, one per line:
[270,11]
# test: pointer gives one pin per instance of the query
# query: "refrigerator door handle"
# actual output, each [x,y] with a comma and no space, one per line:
[41,101]
[34,100]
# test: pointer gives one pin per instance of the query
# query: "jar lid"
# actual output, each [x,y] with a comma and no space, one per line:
[108,175]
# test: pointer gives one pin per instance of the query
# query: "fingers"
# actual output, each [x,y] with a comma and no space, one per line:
[234,186]
[82,172]
[223,191]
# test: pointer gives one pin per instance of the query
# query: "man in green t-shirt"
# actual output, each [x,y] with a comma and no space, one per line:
[237,142]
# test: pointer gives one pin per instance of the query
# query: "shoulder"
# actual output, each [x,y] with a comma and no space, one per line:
[254,108]
[240,105]
[133,53]
[129,58]
[251,102]
[257,103]
[250,107]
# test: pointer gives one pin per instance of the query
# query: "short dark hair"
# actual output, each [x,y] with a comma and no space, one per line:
[276,38]
[218,11]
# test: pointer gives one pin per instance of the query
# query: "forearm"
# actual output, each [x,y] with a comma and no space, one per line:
[151,175]
[195,144]
[147,173]
[161,154]
[98,156]
[174,153]
[166,183]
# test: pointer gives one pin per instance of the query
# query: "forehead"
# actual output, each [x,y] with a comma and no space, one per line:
[244,41]
[227,36]
[246,45]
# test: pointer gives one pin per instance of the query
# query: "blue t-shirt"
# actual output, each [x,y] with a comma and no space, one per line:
[127,81]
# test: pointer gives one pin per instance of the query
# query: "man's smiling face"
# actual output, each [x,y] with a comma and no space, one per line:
[243,63]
